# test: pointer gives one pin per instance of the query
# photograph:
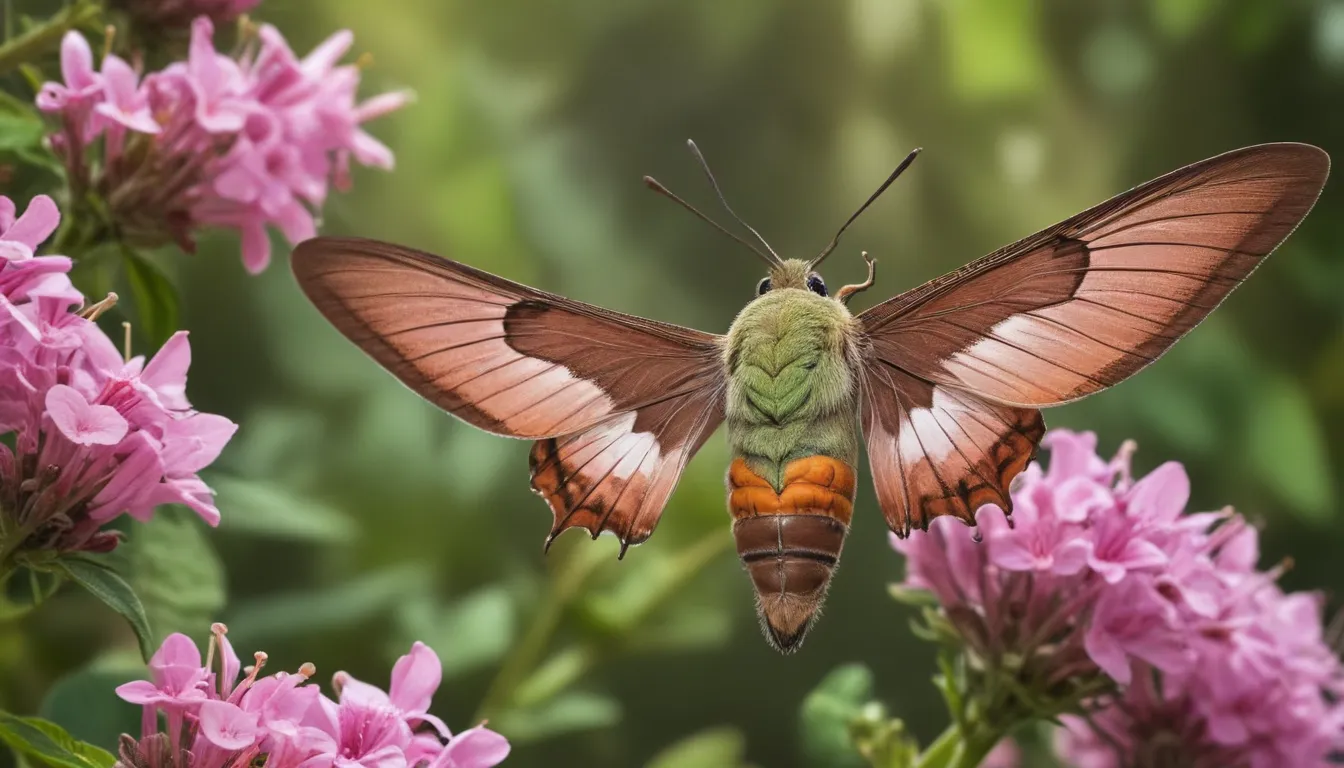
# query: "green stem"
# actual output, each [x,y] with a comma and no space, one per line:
[565,588]
[940,753]
[973,751]
[689,562]
[574,572]
[955,749]
[47,36]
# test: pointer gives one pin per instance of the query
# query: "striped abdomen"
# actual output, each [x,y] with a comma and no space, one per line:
[790,541]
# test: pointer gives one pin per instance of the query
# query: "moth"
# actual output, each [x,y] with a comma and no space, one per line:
[944,382]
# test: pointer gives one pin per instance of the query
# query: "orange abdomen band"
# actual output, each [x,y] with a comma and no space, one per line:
[816,485]
[790,541]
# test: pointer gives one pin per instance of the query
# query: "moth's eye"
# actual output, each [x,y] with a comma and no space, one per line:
[815,285]
[763,287]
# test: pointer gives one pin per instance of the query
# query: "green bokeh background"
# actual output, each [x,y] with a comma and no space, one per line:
[358,518]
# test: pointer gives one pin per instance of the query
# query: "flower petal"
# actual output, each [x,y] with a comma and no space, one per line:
[228,726]
[415,678]
[478,747]
[36,224]
[82,423]
[1161,495]
[166,373]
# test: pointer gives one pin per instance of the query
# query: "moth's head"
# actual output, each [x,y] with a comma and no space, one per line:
[803,275]
[792,273]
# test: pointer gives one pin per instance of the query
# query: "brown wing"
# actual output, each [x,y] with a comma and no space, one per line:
[935,450]
[618,403]
[616,476]
[1090,301]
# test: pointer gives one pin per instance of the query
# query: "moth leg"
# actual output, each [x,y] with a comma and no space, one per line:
[844,294]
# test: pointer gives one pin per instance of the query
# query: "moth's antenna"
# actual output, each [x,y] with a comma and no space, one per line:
[910,158]
[714,183]
[657,186]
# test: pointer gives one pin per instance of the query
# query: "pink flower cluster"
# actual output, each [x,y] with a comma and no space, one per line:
[223,722]
[95,436]
[242,144]
[1100,575]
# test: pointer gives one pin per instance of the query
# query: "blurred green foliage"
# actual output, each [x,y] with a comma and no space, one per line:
[358,518]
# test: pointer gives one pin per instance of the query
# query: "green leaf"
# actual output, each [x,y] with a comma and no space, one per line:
[105,584]
[45,36]
[558,672]
[919,598]
[717,747]
[48,744]
[86,704]
[1288,450]
[259,508]
[154,296]
[176,573]
[19,132]
[829,710]
[470,633]
[567,713]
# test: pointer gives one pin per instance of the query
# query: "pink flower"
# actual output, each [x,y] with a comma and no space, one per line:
[246,143]
[1133,622]
[1041,540]
[23,276]
[124,103]
[179,686]
[1110,584]
[81,85]
[94,437]
[369,723]
[225,723]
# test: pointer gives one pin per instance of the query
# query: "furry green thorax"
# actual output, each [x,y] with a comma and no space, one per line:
[791,389]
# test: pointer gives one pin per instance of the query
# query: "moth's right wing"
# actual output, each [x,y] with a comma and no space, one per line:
[617,403]
[955,369]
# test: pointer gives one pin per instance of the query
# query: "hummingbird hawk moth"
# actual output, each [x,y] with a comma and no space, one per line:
[944,382]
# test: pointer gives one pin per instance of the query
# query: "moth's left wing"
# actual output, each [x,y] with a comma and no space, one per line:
[617,403]
[1057,316]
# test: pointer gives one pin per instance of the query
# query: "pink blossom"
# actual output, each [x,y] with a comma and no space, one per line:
[123,101]
[247,143]
[179,686]
[224,722]
[1041,541]
[1133,622]
[94,436]
[369,723]
[1108,582]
